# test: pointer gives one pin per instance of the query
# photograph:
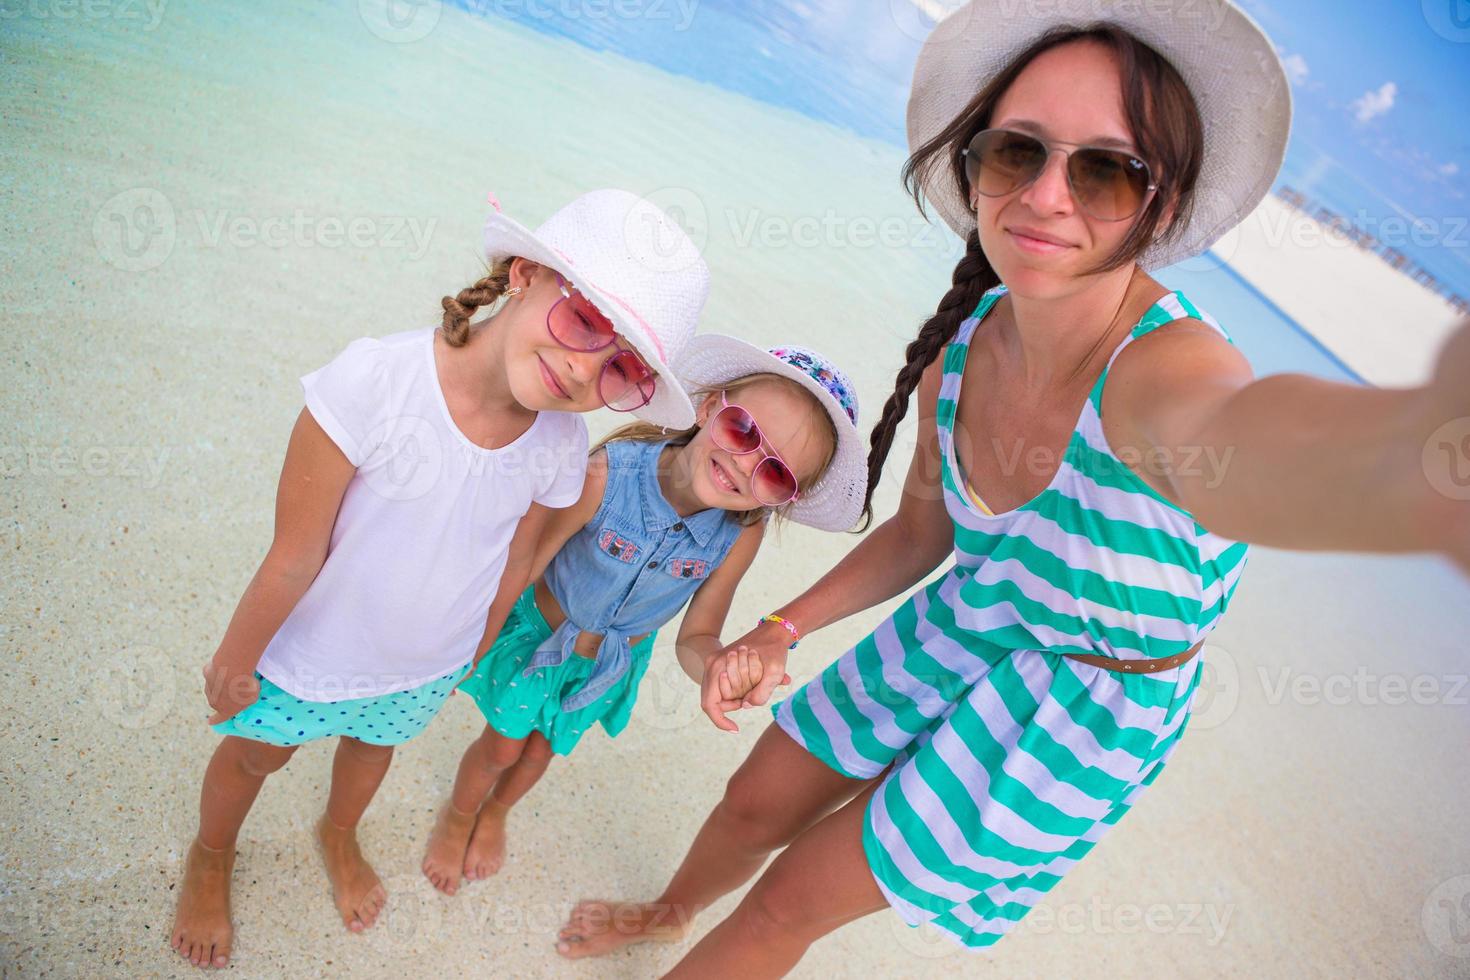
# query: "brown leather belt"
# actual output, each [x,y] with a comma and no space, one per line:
[1151,665]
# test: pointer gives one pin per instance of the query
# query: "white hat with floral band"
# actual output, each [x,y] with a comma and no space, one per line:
[834,502]
[638,268]
[1228,63]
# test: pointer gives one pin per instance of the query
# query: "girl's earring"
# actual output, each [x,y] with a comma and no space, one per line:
[513,291]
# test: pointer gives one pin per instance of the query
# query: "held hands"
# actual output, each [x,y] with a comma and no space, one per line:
[745,674]
[229,691]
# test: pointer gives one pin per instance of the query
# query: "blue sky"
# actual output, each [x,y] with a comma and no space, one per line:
[1380,89]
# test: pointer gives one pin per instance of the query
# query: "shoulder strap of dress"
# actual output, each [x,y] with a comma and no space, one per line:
[1170,307]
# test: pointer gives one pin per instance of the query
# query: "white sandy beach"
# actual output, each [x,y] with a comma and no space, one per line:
[1377,320]
[178,207]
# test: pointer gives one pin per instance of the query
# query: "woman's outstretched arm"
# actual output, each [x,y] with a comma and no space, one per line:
[1294,461]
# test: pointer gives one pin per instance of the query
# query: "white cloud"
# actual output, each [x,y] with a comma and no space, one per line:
[1372,104]
[1449,169]
[1296,68]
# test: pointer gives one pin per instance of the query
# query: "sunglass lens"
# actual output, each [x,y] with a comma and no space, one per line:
[577,324]
[734,430]
[1111,185]
[772,483]
[627,383]
[999,161]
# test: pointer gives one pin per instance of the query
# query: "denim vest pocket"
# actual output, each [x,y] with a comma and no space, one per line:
[617,545]
[689,567]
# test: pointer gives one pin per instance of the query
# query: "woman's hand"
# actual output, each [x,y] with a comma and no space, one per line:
[1445,451]
[711,692]
[769,644]
[229,691]
[745,673]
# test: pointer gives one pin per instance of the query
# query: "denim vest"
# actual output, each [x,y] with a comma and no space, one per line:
[630,569]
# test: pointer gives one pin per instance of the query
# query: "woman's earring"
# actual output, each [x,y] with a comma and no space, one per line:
[513,291]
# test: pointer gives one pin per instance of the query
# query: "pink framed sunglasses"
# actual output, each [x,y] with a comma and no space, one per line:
[626,382]
[734,430]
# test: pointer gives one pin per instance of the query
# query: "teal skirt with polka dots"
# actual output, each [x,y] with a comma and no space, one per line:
[281,718]
[516,705]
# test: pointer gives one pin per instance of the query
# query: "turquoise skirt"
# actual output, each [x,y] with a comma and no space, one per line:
[516,705]
[281,718]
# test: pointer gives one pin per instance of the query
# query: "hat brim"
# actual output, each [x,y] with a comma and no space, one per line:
[834,502]
[670,406]
[1230,66]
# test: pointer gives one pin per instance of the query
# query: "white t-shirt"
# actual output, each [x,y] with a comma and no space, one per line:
[424,528]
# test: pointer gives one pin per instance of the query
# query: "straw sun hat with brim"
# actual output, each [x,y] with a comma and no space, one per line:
[1230,66]
[834,502]
[635,264]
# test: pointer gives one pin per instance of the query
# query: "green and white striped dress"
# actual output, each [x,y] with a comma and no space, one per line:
[1009,761]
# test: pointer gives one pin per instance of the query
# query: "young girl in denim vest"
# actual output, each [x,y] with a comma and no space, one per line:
[414,463]
[664,520]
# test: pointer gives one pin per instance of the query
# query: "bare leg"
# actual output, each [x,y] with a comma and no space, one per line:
[357,771]
[482,764]
[778,792]
[202,931]
[822,881]
[486,853]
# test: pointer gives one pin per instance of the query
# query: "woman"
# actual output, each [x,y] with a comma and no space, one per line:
[959,760]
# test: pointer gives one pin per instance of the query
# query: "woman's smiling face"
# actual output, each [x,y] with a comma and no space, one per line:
[1037,238]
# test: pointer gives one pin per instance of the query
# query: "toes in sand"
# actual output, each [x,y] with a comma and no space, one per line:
[486,853]
[202,931]
[356,889]
[597,928]
[444,858]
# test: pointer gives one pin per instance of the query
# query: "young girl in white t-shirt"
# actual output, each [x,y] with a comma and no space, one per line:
[413,464]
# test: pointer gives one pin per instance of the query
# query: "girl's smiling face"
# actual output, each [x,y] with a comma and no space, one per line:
[788,420]
[1038,238]
[543,374]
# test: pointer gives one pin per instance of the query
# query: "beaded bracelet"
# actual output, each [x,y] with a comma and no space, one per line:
[788,624]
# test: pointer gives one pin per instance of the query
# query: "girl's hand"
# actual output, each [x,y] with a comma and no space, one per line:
[743,671]
[769,644]
[711,692]
[228,691]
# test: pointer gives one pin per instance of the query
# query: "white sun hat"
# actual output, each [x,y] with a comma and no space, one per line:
[834,502]
[638,268]
[1230,66]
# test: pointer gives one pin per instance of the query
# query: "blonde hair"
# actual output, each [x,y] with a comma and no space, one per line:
[648,432]
[459,308]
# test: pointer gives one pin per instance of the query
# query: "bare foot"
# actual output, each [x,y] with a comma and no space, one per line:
[445,855]
[355,886]
[487,846]
[202,929]
[597,928]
